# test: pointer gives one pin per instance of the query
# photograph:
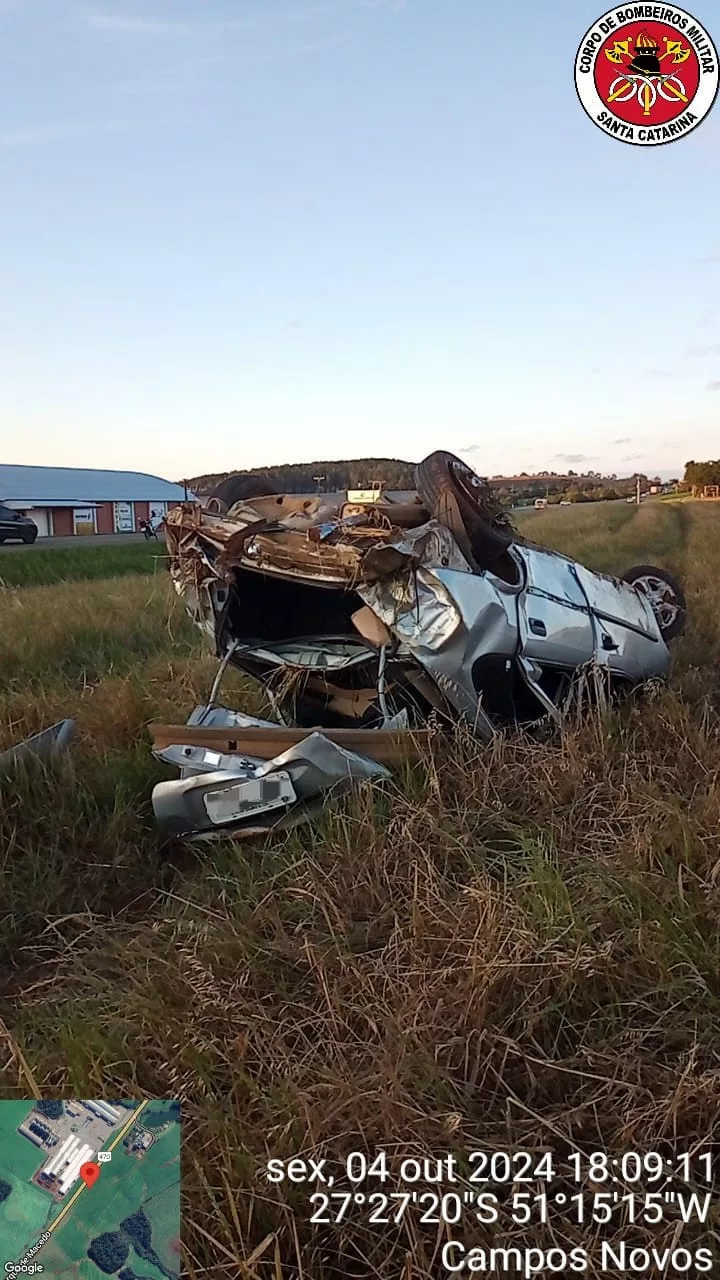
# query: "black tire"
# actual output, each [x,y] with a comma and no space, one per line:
[669,606]
[465,504]
[30,536]
[238,489]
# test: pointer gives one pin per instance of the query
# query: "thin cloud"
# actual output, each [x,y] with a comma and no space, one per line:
[180,76]
[389,6]
[714,385]
[623,440]
[126,25]
[61,132]
[699,352]
[281,17]
[573,457]
[659,373]
[289,54]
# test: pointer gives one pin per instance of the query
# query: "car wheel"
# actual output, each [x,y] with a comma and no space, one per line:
[238,489]
[665,595]
[465,504]
[30,536]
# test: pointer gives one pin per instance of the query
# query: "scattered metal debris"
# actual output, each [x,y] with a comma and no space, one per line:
[50,742]
[231,793]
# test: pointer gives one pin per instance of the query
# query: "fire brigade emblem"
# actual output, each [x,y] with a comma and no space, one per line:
[647,73]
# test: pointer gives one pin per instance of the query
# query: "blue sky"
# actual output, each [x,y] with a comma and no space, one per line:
[238,232]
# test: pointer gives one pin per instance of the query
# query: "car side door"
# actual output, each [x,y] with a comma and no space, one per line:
[556,625]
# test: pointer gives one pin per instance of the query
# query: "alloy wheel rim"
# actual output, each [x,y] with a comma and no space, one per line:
[661,597]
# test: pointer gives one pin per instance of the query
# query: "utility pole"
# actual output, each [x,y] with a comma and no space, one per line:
[637,491]
[319,480]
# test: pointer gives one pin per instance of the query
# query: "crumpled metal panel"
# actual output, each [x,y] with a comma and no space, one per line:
[195,760]
[44,745]
[570,616]
[326,654]
[292,554]
[430,545]
[314,767]
[454,619]
[630,655]
[317,765]
[548,572]
[554,618]
[212,716]
[618,601]
[416,608]
[219,542]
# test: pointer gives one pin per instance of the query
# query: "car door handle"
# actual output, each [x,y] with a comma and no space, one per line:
[537,627]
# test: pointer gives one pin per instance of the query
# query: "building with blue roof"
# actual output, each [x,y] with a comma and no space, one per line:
[82,500]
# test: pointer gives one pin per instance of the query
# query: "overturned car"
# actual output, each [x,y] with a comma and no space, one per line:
[367,622]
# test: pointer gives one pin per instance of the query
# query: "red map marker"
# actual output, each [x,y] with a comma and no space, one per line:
[89,1173]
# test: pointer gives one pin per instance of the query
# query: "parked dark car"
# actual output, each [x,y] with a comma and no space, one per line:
[15,527]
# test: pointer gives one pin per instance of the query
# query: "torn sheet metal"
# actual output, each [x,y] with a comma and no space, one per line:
[317,766]
[193,760]
[418,609]
[248,791]
[44,745]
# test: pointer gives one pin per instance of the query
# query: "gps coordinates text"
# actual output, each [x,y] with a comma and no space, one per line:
[523,1189]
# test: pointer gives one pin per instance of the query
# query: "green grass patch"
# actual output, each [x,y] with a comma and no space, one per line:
[34,567]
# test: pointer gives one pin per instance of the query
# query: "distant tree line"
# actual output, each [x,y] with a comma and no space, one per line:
[698,474]
[359,473]
[328,477]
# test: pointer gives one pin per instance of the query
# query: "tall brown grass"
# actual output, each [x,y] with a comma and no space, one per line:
[511,948]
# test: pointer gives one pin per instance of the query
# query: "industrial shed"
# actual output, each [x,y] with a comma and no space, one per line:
[79,500]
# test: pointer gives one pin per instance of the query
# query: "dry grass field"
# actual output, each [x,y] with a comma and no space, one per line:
[509,948]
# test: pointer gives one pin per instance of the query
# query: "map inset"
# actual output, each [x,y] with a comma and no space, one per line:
[90,1189]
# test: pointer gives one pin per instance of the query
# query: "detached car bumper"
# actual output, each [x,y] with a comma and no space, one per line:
[224,790]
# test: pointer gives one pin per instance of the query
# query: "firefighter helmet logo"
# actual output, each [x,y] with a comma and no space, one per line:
[647,73]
